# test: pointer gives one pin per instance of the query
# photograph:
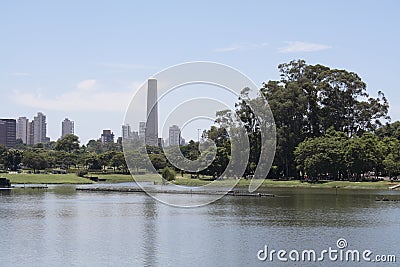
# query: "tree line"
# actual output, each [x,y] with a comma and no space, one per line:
[327,126]
[65,153]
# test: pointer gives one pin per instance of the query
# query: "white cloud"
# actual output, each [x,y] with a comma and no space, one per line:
[87,85]
[240,46]
[297,46]
[84,98]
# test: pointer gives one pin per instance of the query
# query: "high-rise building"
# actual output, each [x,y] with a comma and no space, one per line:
[67,127]
[39,129]
[107,136]
[126,132]
[8,132]
[151,134]
[174,135]
[30,133]
[142,129]
[23,129]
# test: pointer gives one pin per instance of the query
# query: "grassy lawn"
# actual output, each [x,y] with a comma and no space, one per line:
[293,183]
[24,178]
[72,178]
[123,178]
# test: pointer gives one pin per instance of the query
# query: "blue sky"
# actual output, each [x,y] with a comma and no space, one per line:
[84,59]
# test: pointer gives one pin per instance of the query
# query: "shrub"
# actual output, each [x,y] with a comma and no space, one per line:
[81,173]
[168,174]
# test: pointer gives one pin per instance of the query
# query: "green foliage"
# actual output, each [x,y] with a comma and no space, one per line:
[34,160]
[68,143]
[81,173]
[310,99]
[158,160]
[168,174]
[118,161]
[12,158]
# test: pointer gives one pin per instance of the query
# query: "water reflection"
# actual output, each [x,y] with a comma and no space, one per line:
[149,237]
[60,226]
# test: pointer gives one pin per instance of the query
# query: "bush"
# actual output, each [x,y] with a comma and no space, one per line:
[81,173]
[168,174]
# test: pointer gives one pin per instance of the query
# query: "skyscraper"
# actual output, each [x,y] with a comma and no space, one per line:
[107,136]
[67,127]
[174,135]
[126,132]
[152,114]
[23,129]
[8,132]
[142,129]
[39,128]
[30,133]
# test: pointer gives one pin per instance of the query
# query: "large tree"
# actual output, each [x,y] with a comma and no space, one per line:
[34,160]
[310,99]
[68,143]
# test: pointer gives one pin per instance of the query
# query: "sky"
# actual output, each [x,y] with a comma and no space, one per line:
[84,60]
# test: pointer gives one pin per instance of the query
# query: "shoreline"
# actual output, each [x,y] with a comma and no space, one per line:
[379,185]
[73,179]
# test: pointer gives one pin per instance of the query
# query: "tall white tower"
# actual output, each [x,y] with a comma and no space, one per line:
[152,114]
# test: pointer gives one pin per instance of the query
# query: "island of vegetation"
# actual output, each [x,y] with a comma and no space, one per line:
[329,133]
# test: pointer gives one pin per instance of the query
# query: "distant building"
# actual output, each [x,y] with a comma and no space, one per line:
[151,134]
[183,141]
[160,142]
[67,127]
[30,133]
[39,129]
[23,129]
[107,136]
[142,129]
[174,135]
[119,140]
[135,135]
[128,134]
[8,132]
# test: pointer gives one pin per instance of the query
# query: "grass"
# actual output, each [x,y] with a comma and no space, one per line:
[290,184]
[24,178]
[124,178]
[71,178]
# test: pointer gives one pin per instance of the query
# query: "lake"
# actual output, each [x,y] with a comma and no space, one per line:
[63,227]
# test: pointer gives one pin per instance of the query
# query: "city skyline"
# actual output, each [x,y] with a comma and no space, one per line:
[24,130]
[94,77]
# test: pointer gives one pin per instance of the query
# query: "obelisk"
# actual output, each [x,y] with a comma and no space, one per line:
[152,113]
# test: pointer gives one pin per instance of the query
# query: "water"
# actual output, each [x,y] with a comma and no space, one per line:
[63,227]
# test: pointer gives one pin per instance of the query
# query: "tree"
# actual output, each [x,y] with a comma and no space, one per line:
[158,160]
[118,161]
[390,130]
[12,158]
[309,99]
[324,155]
[91,161]
[168,174]
[3,150]
[34,160]
[68,143]
[135,159]
[105,158]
